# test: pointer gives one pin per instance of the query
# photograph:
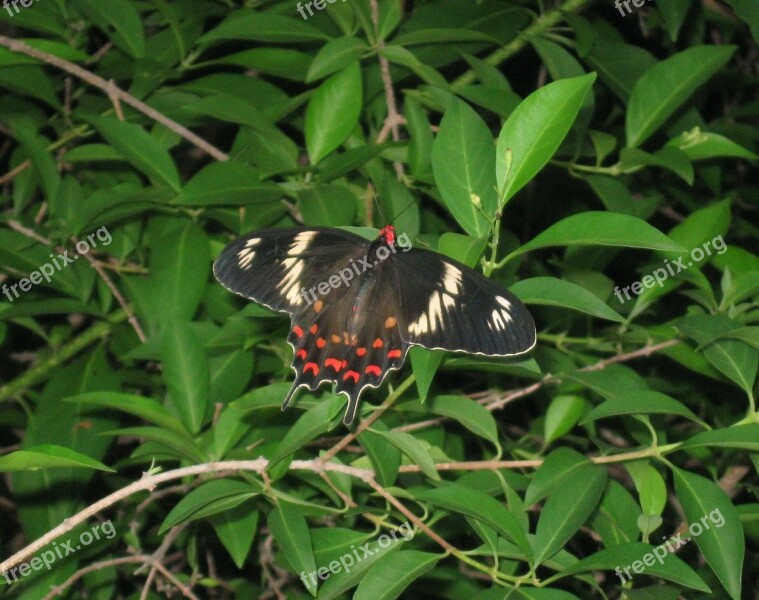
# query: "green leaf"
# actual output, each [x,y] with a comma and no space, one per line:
[384,456]
[535,130]
[640,402]
[551,291]
[119,20]
[624,556]
[253,24]
[288,526]
[393,573]
[179,267]
[208,499]
[562,415]
[596,228]
[441,35]
[48,456]
[425,364]
[315,421]
[742,437]
[139,148]
[327,205]
[463,163]
[227,182]
[703,145]
[185,370]
[715,526]
[652,490]
[559,465]
[667,85]
[236,529]
[333,111]
[412,448]
[142,408]
[480,506]
[568,506]
[472,415]
[335,55]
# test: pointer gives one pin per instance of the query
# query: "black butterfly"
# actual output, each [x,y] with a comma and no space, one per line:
[357,305]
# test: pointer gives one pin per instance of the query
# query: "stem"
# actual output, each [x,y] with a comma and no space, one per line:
[540,25]
[40,371]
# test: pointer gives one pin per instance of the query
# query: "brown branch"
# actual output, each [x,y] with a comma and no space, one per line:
[124,560]
[114,92]
[393,118]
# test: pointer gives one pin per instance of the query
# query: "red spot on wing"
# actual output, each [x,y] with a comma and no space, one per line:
[343,364]
[351,375]
[311,366]
[314,328]
[301,353]
[334,363]
[394,354]
[321,342]
[360,351]
[377,343]
[373,370]
[298,331]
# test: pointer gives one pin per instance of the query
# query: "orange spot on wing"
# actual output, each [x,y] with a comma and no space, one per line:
[394,354]
[390,322]
[298,331]
[360,351]
[311,366]
[346,341]
[301,353]
[334,363]
[373,370]
[351,375]
[336,339]
[318,305]
[377,343]
[321,342]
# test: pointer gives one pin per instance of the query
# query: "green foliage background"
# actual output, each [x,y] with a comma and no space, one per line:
[564,148]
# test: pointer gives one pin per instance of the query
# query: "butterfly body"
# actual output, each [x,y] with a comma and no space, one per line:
[356,305]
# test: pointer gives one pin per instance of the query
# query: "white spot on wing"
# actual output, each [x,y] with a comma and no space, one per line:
[497,320]
[290,286]
[503,302]
[252,242]
[245,257]
[452,279]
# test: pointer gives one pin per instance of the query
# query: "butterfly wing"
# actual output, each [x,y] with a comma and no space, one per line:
[452,307]
[278,267]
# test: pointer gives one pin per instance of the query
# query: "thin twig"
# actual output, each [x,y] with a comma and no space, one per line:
[113,91]
[393,118]
[31,234]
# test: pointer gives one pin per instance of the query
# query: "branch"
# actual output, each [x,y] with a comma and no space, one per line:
[541,24]
[114,93]
[41,370]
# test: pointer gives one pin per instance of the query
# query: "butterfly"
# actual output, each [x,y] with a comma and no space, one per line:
[357,305]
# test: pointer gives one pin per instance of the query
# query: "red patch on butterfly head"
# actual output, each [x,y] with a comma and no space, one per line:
[387,233]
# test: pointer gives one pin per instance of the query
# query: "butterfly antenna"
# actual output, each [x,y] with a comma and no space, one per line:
[409,205]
